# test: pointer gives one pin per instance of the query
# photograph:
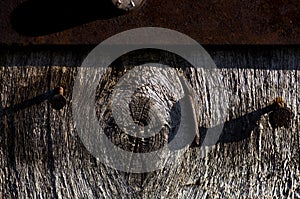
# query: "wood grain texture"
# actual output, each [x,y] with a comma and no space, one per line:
[42,156]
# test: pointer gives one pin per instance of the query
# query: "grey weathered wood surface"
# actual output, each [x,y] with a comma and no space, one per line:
[41,155]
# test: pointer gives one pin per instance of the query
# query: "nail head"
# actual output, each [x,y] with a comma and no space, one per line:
[281,116]
[128,5]
[58,101]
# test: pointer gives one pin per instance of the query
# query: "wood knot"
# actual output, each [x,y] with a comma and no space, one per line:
[139,109]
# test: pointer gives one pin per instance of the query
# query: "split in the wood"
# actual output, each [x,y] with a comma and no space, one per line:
[240,128]
[55,97]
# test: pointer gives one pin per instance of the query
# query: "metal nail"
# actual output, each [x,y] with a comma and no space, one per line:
[128,5]
[281,115]
[58,101]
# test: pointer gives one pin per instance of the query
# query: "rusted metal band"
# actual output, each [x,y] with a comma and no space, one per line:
[92,21]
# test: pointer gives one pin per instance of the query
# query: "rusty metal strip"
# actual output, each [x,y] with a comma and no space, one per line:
[69,22]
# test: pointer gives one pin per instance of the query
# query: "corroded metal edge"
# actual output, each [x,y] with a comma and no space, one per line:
[208,22]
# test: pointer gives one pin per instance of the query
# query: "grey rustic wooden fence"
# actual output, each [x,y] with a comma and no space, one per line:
[42,156]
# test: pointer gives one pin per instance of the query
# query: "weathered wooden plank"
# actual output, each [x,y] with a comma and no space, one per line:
[43,156]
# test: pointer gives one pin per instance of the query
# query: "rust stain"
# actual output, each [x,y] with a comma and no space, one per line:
[207,21]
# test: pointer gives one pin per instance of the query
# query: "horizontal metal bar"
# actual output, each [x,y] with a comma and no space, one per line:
[69,22]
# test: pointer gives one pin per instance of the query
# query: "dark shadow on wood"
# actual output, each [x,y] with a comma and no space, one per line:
[36,17]
[234,130]
[277,57]
[27,103]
